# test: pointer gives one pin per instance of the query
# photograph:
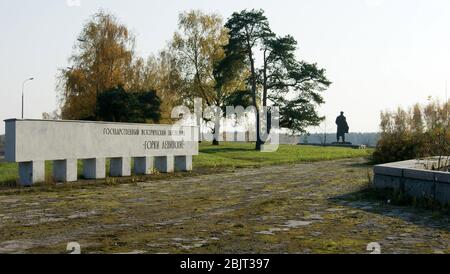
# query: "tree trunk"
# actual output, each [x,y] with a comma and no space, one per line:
[255,103]
[199,124]
[258,131]
[266,117]
[216,134]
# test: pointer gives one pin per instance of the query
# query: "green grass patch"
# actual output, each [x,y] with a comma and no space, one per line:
[244,155]
[230,155]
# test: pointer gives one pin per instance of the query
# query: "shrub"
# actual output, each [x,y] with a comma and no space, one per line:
[118,105]
[418,132]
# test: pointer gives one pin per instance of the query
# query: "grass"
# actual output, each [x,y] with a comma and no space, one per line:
[230,155]
[243,155]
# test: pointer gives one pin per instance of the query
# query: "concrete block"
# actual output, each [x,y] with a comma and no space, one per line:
[415,180]
[419,188]
[388,170]
[120,167]
[386,181]
[419,174]
[143,165]
[183,163]
[405,164]
[31,172]
[443,193]
[65,170]
[40,140]
[94,168]
[164,164]
[443,177]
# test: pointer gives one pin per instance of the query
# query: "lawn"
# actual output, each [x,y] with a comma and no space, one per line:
[244,155]
[233,155]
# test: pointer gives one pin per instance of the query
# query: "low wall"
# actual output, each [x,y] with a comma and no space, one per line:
[30,143]
[413,178]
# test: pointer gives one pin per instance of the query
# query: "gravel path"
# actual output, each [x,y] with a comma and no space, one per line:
[301,208]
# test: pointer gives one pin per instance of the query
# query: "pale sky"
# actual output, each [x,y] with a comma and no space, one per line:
[379,54]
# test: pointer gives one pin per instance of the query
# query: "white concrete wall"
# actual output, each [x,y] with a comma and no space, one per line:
[412,178]
[37,140]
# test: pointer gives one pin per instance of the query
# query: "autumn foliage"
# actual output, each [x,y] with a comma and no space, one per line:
[420,131]
[104,58]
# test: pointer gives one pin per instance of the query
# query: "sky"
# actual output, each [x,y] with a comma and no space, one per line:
[379,54]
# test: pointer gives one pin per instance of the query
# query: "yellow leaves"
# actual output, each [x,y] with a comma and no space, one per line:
[198,47]
[104,58]
[101,60]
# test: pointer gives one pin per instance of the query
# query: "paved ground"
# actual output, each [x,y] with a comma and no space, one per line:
[303,208]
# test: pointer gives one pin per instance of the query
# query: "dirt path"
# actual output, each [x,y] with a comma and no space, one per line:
[278,209]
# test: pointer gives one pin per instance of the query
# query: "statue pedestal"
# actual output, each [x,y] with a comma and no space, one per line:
[341,143]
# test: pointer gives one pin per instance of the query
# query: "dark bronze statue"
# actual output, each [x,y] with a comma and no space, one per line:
[342,127]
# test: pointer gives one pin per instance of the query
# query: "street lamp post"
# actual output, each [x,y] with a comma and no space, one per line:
[23,88]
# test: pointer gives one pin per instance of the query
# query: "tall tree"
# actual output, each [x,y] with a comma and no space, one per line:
[281,80]
[247,32]
[293,85]
[160,73]
[416,119]
[198,46]
[102,57]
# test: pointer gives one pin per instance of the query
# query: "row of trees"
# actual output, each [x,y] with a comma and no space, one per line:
[103,59]
[242,62]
